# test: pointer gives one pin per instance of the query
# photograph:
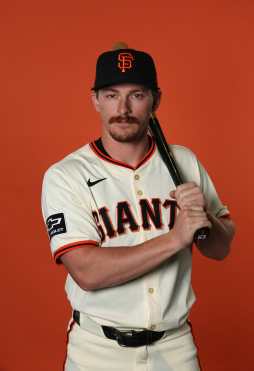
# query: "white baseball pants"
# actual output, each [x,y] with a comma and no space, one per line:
[90,351]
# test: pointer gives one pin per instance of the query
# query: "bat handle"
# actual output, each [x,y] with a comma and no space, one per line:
[201,234]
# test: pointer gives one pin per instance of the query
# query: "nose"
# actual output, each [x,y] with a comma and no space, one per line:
[124,106]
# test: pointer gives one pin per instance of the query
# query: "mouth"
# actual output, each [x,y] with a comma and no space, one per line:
[123,124]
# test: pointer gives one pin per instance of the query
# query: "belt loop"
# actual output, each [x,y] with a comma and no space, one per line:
[76,316]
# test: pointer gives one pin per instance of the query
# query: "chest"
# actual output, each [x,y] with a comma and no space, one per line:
[127,202]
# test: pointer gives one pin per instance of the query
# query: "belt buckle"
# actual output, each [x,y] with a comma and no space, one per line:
[120,341]
[120,337]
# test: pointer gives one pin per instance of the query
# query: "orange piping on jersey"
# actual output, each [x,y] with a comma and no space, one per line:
[103,156]
[226,216]
[67,341]
[194,338]
[72,246]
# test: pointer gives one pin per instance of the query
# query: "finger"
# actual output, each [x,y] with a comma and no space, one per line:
[202,224]
[185,186]
[195,202]
[197,221]
[193,214]
[199,212]
[191,207]
[191,198]
[188,191]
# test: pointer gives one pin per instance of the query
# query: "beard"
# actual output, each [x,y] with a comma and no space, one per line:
[126,129]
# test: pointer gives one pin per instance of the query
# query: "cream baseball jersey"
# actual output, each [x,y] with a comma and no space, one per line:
[88,198]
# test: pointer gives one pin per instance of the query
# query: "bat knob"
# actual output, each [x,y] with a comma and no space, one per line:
[201,234]
[120,45]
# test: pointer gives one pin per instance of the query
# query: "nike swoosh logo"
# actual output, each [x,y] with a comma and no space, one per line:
[91,184]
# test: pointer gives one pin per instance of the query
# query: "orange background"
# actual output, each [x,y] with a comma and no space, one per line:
[205,58]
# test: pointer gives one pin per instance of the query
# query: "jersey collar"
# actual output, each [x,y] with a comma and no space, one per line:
[100,151]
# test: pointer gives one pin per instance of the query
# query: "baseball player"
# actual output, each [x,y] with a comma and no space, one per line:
[124,232]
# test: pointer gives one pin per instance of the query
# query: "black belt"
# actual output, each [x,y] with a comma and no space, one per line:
[132,338]
[129,338]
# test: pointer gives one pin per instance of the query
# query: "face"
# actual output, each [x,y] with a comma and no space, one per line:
[125,111]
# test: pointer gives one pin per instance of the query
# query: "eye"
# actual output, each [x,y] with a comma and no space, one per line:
[110,95]
[138,95]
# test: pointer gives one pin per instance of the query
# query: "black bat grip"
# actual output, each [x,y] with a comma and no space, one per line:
[201,234]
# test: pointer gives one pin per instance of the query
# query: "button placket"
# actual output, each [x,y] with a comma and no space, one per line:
[153,301]
[139,191]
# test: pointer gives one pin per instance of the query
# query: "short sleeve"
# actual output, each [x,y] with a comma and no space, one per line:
[214,204]
[193,171]
[67,213]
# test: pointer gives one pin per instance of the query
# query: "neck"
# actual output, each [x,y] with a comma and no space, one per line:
[129,153]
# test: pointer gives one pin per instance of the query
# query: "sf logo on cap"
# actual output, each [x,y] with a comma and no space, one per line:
[125,61]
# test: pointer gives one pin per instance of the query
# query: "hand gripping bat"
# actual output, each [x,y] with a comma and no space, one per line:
[168,158]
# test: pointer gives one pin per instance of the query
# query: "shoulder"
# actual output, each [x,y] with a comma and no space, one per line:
[71,166]
[187,162]
[70,174]
[65,182]
[182,152]
[183,155]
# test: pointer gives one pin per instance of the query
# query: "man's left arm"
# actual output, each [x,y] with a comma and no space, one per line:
[217,245]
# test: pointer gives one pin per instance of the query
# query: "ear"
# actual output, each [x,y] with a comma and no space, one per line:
[95,101]
[157,100]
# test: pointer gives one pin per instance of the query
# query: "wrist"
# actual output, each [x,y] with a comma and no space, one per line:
[176,241]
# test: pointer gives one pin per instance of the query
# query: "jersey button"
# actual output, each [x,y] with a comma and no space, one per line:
[151,290]
[153,327]
[139,192]
[136,177]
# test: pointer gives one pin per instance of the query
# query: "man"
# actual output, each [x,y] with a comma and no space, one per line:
[124,233]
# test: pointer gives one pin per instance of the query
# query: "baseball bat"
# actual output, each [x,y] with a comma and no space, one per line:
[168,158]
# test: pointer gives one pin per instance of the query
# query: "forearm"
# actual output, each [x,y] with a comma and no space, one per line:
[99,267]
[217,245]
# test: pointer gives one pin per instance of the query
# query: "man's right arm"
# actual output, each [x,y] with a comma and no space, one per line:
[94,267]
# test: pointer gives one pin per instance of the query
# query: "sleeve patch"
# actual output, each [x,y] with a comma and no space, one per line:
[56,224]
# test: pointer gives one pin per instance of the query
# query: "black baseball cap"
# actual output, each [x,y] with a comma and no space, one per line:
[125,65]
